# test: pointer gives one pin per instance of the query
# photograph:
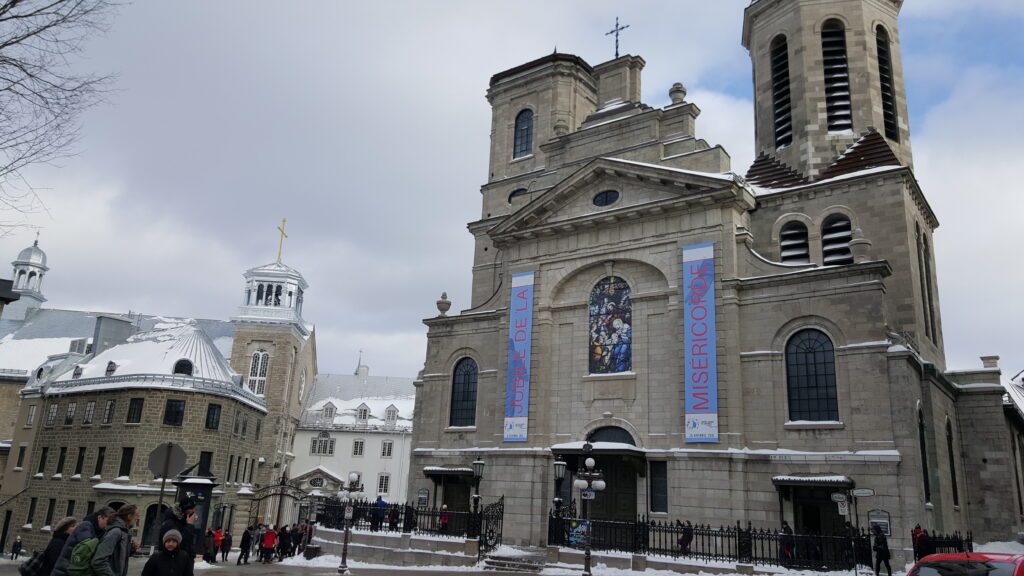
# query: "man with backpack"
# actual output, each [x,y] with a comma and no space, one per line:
[90,528]
[115,547]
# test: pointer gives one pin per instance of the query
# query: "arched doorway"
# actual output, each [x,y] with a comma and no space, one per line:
[615,455]
[151,529]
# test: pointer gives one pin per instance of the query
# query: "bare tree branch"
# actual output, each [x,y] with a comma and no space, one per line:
[41,97]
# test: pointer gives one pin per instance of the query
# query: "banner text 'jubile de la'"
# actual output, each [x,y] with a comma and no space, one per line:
[700,351]
[520,340]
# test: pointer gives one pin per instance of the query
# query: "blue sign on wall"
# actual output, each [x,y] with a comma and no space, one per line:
[520,339]
[700,348]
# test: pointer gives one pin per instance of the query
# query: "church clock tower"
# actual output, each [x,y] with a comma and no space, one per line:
[825,72]
[275,352]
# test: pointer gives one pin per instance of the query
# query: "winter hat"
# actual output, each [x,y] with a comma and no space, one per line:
[173,535]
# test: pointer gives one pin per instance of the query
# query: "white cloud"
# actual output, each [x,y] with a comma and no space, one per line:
[967,153]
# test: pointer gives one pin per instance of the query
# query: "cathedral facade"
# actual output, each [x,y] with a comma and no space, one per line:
[727,348]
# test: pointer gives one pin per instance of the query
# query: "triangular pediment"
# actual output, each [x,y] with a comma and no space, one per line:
[639,189]
[318,472]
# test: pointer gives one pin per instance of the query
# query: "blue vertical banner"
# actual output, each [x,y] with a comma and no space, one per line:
[700,344]
[520,340]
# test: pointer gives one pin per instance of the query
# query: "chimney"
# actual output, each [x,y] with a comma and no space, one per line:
[990,362]
[110,332]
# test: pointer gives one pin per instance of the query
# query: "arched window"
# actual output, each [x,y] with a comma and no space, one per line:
[21,279]
[924,456]
[523,144]
[463,411]
[111,368]
[517,193]
[611,327]
[277,295]
[781,103]
[836,234]
[839,114]
[183,366]
[885,79]
[259,295]
[811,377]
[302,384]
[930,299]
[793,244]
[258,372]
[952,463]
[31,284]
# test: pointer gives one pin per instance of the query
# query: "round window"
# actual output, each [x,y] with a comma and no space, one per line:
[606,198]
[316,482]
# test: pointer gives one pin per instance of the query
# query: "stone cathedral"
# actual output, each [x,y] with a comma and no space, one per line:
[729,348]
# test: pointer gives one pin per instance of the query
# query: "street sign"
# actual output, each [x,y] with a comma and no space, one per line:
[167,460]
[844,508]
[587,494]
[349,512]
[838,497]
[862,492]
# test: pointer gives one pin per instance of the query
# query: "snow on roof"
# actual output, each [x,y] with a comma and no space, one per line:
[728,176]
[348,392]
[27,354]
[157,351]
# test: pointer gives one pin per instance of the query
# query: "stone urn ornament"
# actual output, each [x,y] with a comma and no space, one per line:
[444,304]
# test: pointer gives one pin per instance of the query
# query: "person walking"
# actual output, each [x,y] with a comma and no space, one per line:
[225,545]
[16,548]
[881,549]
[61,532]
[92,526]
[169,559]
[111,558]
[244,546]
[210,546]
[686,538]
[269,543]
[181,517]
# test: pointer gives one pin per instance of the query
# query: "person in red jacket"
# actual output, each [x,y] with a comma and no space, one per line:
[269,543]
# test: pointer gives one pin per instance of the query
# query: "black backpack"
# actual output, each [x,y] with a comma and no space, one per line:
[34,565]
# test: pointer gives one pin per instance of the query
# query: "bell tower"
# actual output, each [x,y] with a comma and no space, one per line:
[825,72]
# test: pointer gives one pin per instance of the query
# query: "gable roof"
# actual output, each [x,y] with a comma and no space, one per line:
[678,182]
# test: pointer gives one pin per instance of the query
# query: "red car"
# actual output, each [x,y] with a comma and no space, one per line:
[970,564]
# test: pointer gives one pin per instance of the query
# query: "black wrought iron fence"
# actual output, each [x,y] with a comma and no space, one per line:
[368,516]
[734,543]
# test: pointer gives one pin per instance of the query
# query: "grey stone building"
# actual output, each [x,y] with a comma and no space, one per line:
[94,394]
[731,348]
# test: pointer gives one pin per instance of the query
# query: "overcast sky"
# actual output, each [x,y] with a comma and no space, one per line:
[365,125]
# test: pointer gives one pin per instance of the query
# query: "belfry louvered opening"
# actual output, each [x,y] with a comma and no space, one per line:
[837,76]
[793,244]
[885,79]
[781,101]
[836,234]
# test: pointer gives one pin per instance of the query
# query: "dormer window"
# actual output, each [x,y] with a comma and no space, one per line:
[77,373]
[329,411]
[183,366]
[111,368]
[39,373]
[363,414]
[391,416]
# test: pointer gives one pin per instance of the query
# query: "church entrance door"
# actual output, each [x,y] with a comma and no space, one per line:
[618,501]
[814,512]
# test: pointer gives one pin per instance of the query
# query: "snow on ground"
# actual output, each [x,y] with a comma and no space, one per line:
[1006,547]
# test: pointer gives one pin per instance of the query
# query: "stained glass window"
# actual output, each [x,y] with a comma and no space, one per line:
[463,409]
[611,331]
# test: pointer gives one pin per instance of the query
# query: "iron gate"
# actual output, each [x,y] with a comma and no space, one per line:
[285,489]
[492,517]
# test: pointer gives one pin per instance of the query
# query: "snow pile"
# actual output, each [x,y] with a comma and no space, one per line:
[1001,547]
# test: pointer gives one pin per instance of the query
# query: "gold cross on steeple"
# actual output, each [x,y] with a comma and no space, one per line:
[280,244]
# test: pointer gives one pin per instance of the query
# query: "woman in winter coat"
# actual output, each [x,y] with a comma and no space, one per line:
[169,560]
[269,543]
[225,545]
[881,548]
[244,546]
[92,526]
[61,532]
[210,551]
[686,538]
[111,558]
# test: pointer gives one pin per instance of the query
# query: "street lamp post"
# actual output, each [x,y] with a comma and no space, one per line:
[354,489]
[559,477]
[589,481]
[478,474]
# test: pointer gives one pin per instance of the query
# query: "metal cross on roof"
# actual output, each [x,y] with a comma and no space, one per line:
[616,31]
[280,245]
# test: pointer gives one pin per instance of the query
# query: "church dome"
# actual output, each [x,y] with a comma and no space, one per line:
[32,255]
